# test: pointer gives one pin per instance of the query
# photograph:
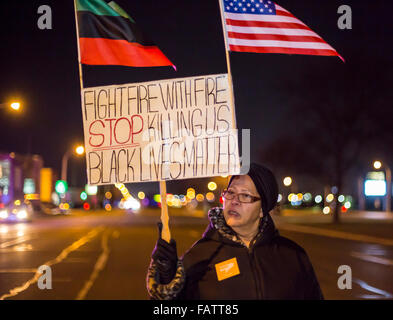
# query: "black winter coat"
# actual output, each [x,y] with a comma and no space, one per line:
[273,267]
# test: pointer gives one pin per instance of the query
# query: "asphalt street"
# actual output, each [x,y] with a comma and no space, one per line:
[105,255]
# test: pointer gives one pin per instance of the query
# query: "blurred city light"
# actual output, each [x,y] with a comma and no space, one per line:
[318,199]
[83,195]
[212,186]
[200,197]
[307,197]
[330,197]
[15,105]
[108,207]
[326,210]
[132,204]
[55,198]
[21,215]
[80,150]
[375,188]
[210,196]
[347,205]
[91,190]
[377,165]
[3,214]
[287,181]
[279,198]
[141,195]
[108,195]
[341,198]
[61,186]
[191,193]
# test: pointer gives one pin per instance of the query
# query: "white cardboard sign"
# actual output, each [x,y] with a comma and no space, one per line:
[160,130]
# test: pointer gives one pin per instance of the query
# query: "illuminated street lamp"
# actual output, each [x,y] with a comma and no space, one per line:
[79,150]
[13,105]
[287,181]
[378,165]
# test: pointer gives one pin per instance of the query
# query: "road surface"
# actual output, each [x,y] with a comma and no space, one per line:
[103,255]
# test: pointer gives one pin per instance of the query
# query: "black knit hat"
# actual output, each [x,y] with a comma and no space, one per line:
[266,185]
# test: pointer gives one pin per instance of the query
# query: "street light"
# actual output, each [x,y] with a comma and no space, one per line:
[79,150]
[378,165]
[287,181]
[14,105]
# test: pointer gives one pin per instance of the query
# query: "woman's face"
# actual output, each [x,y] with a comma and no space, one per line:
[238,215]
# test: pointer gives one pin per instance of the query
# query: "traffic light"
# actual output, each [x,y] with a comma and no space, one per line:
[83,195]
[61,186]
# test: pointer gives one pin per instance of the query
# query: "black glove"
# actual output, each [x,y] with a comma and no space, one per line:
[165,256]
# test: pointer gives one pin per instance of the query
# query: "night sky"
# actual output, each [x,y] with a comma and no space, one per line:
[39,67]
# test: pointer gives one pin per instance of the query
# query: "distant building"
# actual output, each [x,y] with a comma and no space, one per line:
[19,175]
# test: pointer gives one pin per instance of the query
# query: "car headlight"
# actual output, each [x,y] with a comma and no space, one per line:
[3,214]
[22,214]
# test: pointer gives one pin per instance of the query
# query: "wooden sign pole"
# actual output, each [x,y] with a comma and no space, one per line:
[165,234]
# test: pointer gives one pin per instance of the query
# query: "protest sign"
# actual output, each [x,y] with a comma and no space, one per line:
[160,130]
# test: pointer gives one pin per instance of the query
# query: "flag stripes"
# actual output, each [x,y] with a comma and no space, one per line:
[262,26]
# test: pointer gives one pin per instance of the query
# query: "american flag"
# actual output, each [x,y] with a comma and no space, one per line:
[264,27]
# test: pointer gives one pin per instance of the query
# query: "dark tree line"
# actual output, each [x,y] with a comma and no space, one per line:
[340,125]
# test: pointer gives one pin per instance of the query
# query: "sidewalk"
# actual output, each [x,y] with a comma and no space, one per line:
[366,226]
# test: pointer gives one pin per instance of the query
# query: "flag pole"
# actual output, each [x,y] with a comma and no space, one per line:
[232,96]
[79,51]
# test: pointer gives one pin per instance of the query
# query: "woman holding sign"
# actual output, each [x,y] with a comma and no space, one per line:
[241,254]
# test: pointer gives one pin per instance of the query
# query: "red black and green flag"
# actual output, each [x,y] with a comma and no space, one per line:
[109,36]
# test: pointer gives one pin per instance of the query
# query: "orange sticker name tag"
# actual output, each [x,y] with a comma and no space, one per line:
[227,269]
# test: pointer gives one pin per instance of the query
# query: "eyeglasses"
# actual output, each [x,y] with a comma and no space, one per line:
[242,197]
